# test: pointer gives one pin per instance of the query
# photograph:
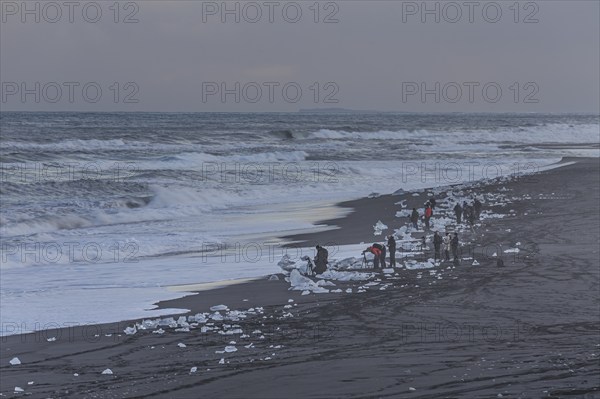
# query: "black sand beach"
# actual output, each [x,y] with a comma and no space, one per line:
[530,329]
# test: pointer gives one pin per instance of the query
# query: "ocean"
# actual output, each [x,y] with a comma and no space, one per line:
[103,212]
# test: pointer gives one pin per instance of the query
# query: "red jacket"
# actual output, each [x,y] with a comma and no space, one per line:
[427,212]
[375,251]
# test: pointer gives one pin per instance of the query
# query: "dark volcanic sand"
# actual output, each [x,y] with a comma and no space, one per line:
[530,329]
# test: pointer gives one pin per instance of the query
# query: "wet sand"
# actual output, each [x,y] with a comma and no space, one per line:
[529,329]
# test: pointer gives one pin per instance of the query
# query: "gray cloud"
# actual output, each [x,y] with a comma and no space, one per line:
[365,57]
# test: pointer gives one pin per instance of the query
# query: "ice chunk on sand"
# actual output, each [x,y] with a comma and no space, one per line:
[107,372]
[130,330]
[19,389]
[325,283]
[218,307]
[475,263]
[222,361]
[379,227]
[181,345]
[15,361]
[512,250]
[389,270]
[159,331]
[273,277]
[286,263]
[230,349]
[193,369]
[302,283]
[51,339]
[347,263]
[346,276]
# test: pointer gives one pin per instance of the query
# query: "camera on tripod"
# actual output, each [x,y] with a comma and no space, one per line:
[309,267]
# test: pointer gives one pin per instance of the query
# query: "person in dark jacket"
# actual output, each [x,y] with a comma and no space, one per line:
[465,215]
[454,246]
[477,205]
[458,212]
[432,202]
[321,260]
[414,218]
[471,216]
[437,246]
[392,248]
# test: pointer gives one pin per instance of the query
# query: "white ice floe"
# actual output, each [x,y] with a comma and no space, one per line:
[286,263]
[198,318]
[413,264]
[512,250]
[216,316]
[107,372]
[218,307]
[389,271]
[235,331]
[325,283]
[379,227]
[302,283]
[346,275]
[15,361]
[229,349]
[130,331]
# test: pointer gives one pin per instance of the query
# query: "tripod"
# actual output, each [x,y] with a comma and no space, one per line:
[365,263]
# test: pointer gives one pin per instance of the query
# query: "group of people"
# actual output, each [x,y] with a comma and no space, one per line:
[468,213]
[427,214]
[379,252]
[448,243]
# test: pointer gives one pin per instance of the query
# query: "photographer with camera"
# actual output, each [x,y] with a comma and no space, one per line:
[378,252]
[321,259]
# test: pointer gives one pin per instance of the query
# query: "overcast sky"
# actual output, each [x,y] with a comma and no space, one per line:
[179,55]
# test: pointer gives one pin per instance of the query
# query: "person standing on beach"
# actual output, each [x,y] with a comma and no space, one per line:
[376,255]
[446,242]
[454,245]
[432,202]
[477,208]
[428,213]
[465,208]
[471,217]
[382,259]
[321,260]
[458,212]
[437,246]
[414,218]
[392,248]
